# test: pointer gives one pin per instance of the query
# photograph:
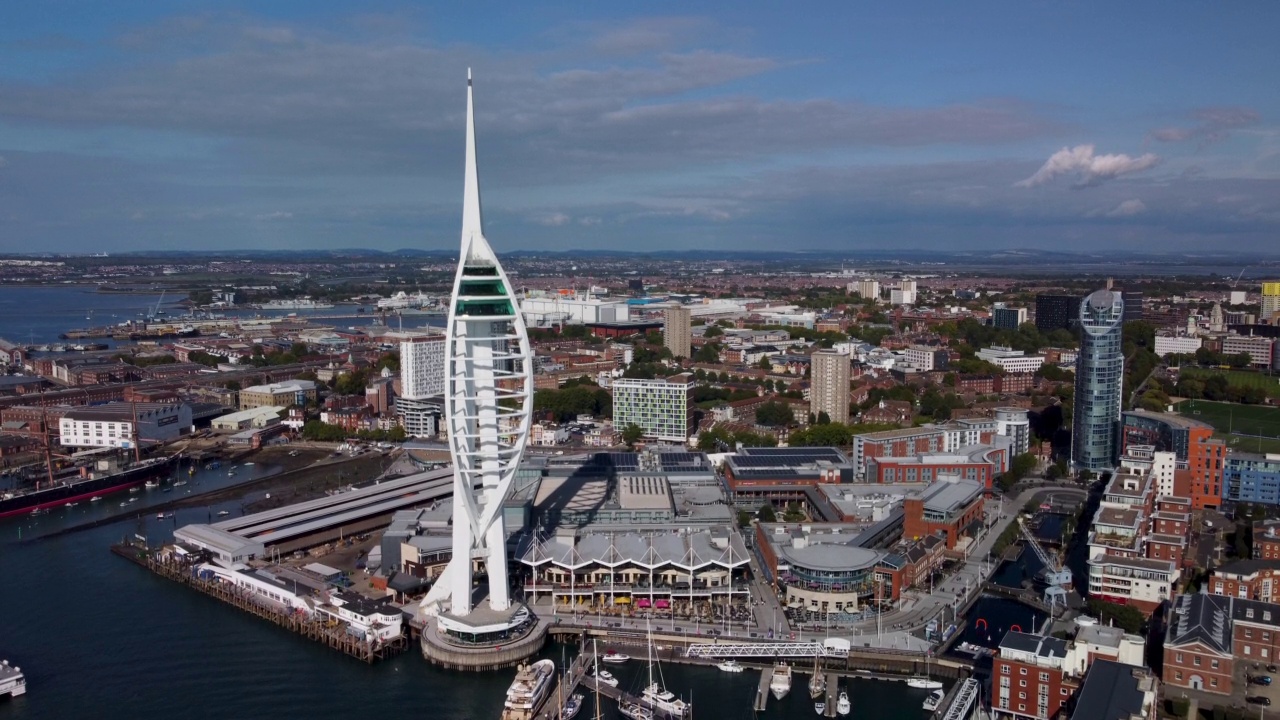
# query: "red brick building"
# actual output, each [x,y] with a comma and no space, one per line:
[952,509]
[1209,633]
[929,468]
[1029,677]
[1266,539]
[1253,579]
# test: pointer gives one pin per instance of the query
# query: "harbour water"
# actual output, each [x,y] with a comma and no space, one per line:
[36,315]
[101,638]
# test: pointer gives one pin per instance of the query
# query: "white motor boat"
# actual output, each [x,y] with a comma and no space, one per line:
[614,657]
[780,685]
[924,683]
[843,706]
[730,666]
[635,711]
[932,702]
[607,678]
[820,708]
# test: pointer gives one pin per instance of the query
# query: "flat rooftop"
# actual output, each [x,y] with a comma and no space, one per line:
[292,521]
[951,496]
[1168,418]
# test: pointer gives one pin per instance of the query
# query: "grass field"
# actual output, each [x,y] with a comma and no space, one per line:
[1236,423]
[1237,378]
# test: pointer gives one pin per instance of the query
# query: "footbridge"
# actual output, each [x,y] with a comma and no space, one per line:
[964,702]
[830,648]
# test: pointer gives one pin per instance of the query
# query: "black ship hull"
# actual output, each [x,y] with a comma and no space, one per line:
[64,493]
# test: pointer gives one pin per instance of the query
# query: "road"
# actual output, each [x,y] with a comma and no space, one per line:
[920,606]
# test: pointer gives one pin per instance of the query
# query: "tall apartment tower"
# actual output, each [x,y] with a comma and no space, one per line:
[1270,300]
[677,332]
[829,385]
[1054,312]
[1007,318]
[865,289]
[422,366]
[1099,382]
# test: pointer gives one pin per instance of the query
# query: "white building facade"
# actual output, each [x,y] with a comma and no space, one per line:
[112,426]
[422,366]
[1010,360]
[662,407]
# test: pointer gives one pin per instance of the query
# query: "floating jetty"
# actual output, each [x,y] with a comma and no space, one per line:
[309,627]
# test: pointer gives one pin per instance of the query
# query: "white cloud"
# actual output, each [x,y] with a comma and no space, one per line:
[1214,124]
[552,219]
[1092,169]
[1128,208]
[277,215]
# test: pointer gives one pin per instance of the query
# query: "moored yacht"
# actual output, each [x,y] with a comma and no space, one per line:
[528,690]
[843,706]
[817,681]
[635,711]
[607,678]
[571,706]
[12,682]
[932,702]
[658,697]
[614,657]
[730,666]
[780,685]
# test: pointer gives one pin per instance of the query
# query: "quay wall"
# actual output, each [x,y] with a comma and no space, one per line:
[336,638]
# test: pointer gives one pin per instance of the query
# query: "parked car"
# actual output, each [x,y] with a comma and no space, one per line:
[1272,669]
[1258,700]
[1260,679]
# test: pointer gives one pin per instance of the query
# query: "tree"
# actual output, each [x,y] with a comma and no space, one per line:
[653,337]
[712,332]
[1127,617]
[631,434]
[764,363]
[774,414]
[823,418]
[766,513]
[708,353]
[744,518]
[232,385]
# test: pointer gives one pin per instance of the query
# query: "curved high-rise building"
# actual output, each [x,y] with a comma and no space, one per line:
[488,404]
[1099,382]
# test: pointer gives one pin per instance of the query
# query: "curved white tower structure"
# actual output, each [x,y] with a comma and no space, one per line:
[488,404]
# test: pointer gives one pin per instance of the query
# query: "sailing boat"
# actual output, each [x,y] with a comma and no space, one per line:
[658,697]
[922,681]
[817,683]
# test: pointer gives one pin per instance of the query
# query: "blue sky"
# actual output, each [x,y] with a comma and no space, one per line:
[836,126]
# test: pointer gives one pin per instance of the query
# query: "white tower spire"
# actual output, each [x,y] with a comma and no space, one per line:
[488,405]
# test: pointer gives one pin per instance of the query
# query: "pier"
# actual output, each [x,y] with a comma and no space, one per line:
[762,690]
[312,628]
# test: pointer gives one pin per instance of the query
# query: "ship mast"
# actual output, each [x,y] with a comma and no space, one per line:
[595,669]
[137,450]
[48,452]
